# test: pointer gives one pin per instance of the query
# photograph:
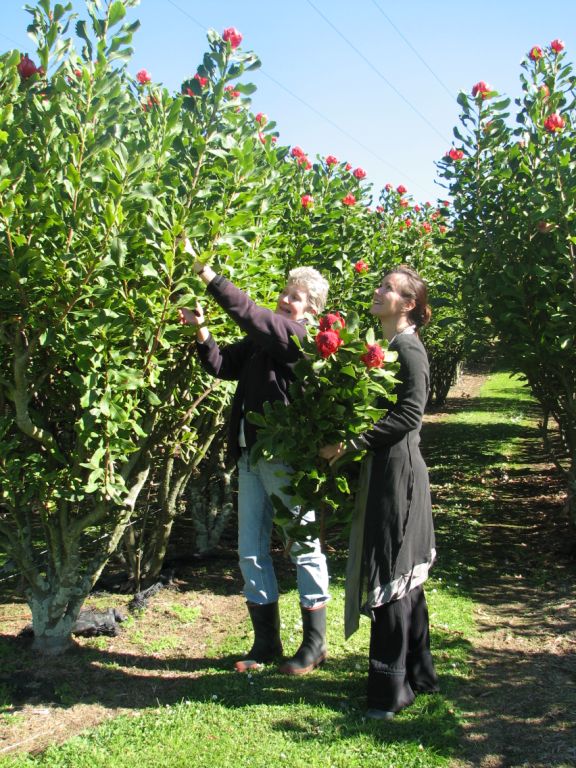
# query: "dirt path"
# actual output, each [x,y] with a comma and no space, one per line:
[520,704]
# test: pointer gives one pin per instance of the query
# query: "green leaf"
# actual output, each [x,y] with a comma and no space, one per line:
[116,13]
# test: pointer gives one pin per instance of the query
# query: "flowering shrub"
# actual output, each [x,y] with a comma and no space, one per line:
[336,397]
[514,195]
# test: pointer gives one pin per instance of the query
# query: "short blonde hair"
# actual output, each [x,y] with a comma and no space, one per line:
[310,280]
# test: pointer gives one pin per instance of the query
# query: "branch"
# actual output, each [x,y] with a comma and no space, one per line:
[22,399]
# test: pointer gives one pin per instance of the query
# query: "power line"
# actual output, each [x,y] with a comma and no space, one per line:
[10,40]
[198,23]
[338,128]
[377,71]
[409,44]
[310,107]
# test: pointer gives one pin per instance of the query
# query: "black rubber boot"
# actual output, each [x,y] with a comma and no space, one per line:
[312,651]
[267,645]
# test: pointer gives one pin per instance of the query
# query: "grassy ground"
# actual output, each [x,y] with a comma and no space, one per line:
[196,712]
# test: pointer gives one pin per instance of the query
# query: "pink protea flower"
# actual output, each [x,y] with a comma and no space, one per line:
[557,45]
[427,227]
[331,160]
[297,152]
[307,201]
[359,173]
[481,89]
[143,77]
[554,123]
[535,53]
[374,356]
[455,154]
[327,342]
[349,199]
[331,319]
[261,118]
[401,189]
[232,36]
[26,67]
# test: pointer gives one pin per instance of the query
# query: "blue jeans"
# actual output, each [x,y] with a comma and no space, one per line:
[256,483]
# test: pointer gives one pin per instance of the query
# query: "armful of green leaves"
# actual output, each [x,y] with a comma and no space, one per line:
[343,383]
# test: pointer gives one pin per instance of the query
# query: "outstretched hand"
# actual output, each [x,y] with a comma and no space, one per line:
[192,316]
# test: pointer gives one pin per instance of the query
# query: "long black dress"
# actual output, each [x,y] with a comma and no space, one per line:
[398,541]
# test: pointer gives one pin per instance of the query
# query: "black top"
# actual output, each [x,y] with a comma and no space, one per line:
[261,362]
[399,532]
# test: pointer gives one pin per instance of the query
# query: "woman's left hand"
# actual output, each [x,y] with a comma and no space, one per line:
[332,452]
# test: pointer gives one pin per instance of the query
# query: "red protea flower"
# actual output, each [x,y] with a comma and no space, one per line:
[143,77]
[535,53]
[297,152]
[26,67]
[379,209]
[261,118]
[401,189]
[455,154]
[426,226]
[359,173]
[202,80]
[232,92]
[232,36]
[388,187]
[373,357]
[481,89]
[331,319]
[407,223]
[349,199]
[307,201]
[442,229]
[361,266]
[557,45]
[554,123]
[404,203]
[327,342]
[331,160]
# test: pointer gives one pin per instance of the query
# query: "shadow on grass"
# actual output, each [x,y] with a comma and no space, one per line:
[498,529]
[117,681]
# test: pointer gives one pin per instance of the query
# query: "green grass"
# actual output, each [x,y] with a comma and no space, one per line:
[269,720]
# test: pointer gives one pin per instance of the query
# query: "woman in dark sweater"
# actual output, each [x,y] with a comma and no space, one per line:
[262,363]
[395,515]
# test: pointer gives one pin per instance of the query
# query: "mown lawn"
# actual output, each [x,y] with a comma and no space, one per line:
[268,720]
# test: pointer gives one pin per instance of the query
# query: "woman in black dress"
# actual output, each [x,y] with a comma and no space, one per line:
[395,520]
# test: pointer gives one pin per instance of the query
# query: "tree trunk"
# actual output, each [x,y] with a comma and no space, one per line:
[53,615]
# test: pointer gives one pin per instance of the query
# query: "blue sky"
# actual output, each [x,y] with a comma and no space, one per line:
[373,82]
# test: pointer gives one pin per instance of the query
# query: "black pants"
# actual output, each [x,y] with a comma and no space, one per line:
[400,660]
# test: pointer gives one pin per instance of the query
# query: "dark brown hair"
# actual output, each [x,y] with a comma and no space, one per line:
[413,287]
